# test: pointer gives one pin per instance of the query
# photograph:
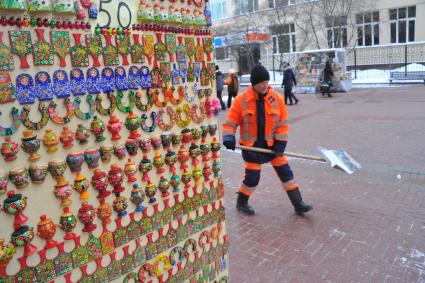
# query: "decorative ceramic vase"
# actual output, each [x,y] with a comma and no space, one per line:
[19,177]
[176,139]
[67,223]
[67,137]
[104,212]
[130,170]
[81,185]
[186,178]
[145,166]
[22,237]
[205,150]
[206,172]
[51,140]
[6,253]
[114,127]
[57,168]
[37,173]
[74,161]
[216,168]
[163,186]
[194,152]
[86,215]
[120,205]
[150,191]
[196,175]
[4,182]
[46,230]
[116,178]
[175,182]
[30,144]
[171,159]
[97,127]
[132,147]
[82,134]
[187,136]
[196,133]
[166,140]
[212,129]
[215,148]
[9,149]
[132,123]
[156,142]
[100,182]
[106,152]
[137,197]
[120,151]
[145,144]
[15,204]
[92,156]
[158,162]
[183,157]
[63,191]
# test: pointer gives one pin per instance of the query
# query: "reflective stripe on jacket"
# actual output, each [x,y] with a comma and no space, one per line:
[243,113]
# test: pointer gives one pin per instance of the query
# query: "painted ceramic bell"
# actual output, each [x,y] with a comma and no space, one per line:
[215,148]
[137,197]
[15,204]
[86,215]
[166,140]
[158,162]
[66,137]
[67,223]
[51,140]
[163,186]
[175,182]
[130,170]
[104,212]
[206,172]
[132,123]
[19,177]
[22,237]
[57,168]
[116,178]
[212,129]
[187,135]
[216,168]
[82,134]
[106,152]
[176,139]
[81,185]
[63,191]
[145,166]
[30,144]
[183,157]
[4,182]
[204,129]
[92,156]
[205,150]
[37,173]
[186,178]
[75,161]
[114,127]
[46,230]
[9,149]
[197,133]
[196,175]
[194,152]
[150,191]
[120,151]
[120,205]
[97,127]
[145,145]
[100,182]
[132,146]
[6,253]
[171,159]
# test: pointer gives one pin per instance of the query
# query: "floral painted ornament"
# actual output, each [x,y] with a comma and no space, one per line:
[134,79]
[208,47]
[121,81]
[13,5]
[61,86]
[43,86]
[94,47]
[145,77]
[63,6]
[175,75]
[197,70]
[78,84]
[110,52]
[35,6]
[199,51]
[149,47]
[94,84]
[120,105]
[42,50]
[156,76]
[171,44]
[20,41]
[7,88]
[183,71]
[6,56]
[84,115]
[160,48]
[79,53]
[61,45]
[25,89]
[165,69]
[108,81]
[124,47]
[137,53]
[190,47]
[16,122]
[54,116]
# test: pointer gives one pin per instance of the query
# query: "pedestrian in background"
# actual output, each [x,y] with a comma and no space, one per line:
[326,79]
[287,82]
[220,84]
[261,114]
[232,83]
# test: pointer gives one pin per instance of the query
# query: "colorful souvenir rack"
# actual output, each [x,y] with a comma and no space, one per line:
[109,145]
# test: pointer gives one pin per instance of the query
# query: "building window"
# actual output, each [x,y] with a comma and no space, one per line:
[336,28]
[221,53]
[218,9]
[280,3]
[402,24]
[283,37]
[247,6]
[367,29]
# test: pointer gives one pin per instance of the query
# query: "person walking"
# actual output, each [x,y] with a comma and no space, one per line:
[287,82]
[220,84]
[326,79]
[232,83]
[262,116]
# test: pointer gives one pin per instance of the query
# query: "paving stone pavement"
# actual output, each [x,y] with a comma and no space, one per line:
[365,227]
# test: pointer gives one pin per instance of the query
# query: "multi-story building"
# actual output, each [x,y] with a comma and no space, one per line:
[268,31]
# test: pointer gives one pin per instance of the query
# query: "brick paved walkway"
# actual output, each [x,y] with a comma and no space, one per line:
[365,227]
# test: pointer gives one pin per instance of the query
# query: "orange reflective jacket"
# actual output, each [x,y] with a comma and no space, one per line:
[243,113]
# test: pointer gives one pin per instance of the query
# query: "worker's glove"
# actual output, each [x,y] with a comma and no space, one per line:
[229,142]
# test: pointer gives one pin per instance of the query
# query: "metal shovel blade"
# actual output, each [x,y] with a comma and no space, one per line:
[339,158]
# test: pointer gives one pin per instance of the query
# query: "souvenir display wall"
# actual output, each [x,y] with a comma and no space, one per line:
[110,154]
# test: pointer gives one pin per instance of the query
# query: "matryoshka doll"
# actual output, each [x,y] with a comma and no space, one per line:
[43,86]
[25,89]
[108,81]
[93,81]
[78,84]
[7,89]
[134,80]
[61,84]
[121,81]
[146,80]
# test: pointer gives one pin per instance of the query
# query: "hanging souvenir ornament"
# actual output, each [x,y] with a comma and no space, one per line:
[194,152]
[186,179]
[104,212]
[172,117]
[19,177]
[207,14]
[132,146]
[9,149]
[130,170]
[124,47]
[150,191]
[22,236]
[51,140]
[206,172]
[42,50]
[30,144]
[25,89]
[97,127]
[120,205]
[63,6]
[86,215]
[146,79]
[75,161]
[35,6]
[216,168]
[205,150]
[197,70]
[6,253]
[181,121]
[57,168]
[54,115]
[79,53]
[156,142]
[171,45]
[190,73]
[158,162]
[165,69]
[121,81]
[79,10]
[198,118]
[106,111]
[66,137]
[7,89]
[106,152]
[183,156]
[160,48]
[181,52]
[15,204]
[145,166]
[60,45]
[170,160]
[13,5]
[120,151]
[175,75]
[137,197]
[175,182]
[145,144]
[37,173]
[110,53]
[108,80]
[46,230]
[165,139]
[145,12]
[134,79]
[190,48]
[20,41]
[196,175]
[93,11]
[212,129]
[205,77]
[187,136]
[137,52]
[67,223]
[196,133]
[163,186]
[149,46]
[215,148]
[132,123]
[92,156]
[156,76]
[183,71]
[61,86]
[63,191]
[82,134]
[100,182]
[81,185]
[116,178]
[6,64]
[199,51]
[94,47]
[43,86]
[114,127]
[94,85]
[78,83]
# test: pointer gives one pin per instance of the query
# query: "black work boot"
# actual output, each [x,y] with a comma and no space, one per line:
[242,204]
[297,202]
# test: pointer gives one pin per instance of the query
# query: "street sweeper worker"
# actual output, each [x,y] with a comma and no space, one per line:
[261,114]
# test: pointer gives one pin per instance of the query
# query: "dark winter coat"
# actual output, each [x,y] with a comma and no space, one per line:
[288,79]
[220,80]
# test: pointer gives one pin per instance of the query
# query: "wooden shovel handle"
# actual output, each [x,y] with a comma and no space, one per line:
[292,154]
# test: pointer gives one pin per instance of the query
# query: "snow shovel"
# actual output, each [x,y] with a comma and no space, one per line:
[338,158]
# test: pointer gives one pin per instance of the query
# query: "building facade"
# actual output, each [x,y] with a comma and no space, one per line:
[269,31]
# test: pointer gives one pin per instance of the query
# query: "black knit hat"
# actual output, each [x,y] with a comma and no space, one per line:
[259,74]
